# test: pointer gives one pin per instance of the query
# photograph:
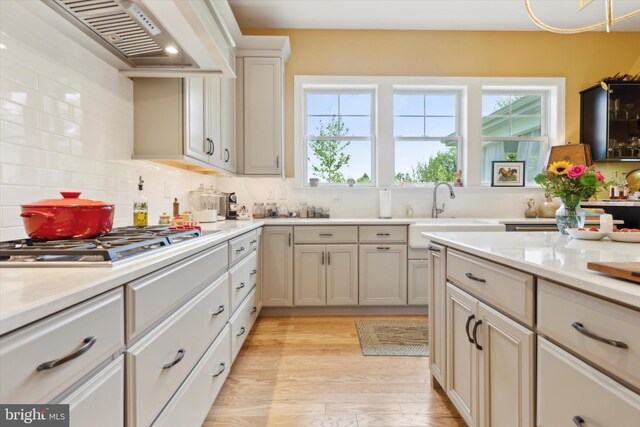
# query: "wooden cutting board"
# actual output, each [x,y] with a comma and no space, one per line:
[623,270]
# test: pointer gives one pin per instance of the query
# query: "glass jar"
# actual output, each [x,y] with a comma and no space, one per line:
[303,210]
[271,211]
[283,211]
[258,211]
[325,213]
[311,212]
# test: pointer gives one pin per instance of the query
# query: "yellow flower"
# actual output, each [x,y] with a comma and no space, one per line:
[559,168]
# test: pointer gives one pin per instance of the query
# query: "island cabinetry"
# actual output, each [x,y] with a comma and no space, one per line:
[570,392]
[277,266]
[437,279]
[490,372]
[601,332]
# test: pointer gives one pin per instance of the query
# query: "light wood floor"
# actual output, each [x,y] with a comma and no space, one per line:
[309,372]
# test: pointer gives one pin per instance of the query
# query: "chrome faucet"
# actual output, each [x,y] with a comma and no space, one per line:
[435,211]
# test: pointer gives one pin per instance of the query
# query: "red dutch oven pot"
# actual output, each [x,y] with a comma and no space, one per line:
[67,218]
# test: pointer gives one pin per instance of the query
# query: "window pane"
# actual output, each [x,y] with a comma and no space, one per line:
[355,126]
[408,126]
[322,125]
[441,126]
[426,161]
[526,126]
[531,152]
[527,105]
[355,105]
[496,105]
[408,105]
[441,105]
[496,126]
[322,104]
[337,161]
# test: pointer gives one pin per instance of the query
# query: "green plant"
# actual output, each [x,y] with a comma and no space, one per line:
[441,167]
[330,153]
[572,183]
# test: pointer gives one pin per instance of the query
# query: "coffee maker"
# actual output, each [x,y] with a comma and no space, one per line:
[231,206]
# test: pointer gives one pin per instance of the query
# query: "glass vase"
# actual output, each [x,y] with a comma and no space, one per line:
[569,216]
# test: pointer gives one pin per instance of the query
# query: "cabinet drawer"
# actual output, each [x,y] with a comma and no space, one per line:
[242,246]
[559,308]
[182,338]
[242,321]
[569,388]
[383,233]
[100,401]
[326,234]
[508,290]
[69,332]
[191,403]
[152,297]
[243,279]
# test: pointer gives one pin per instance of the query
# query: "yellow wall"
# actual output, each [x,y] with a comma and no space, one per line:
[583,59]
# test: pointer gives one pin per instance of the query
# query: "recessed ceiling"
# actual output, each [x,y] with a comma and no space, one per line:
[497,15]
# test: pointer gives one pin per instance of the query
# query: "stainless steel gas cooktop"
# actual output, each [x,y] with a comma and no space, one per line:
[120,244]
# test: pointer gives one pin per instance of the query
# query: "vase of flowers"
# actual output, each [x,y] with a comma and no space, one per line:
[571,183]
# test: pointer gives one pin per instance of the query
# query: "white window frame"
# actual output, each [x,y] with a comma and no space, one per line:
[330,89]
[458,116]
[470,126]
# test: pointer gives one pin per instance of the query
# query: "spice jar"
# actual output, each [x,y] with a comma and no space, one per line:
[258,211]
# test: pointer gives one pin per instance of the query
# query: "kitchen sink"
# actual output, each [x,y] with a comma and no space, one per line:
[416,240]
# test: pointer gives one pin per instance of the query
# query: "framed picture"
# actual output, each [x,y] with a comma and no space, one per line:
[507,174]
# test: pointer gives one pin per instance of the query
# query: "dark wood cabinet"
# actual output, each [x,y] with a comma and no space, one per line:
[610,121]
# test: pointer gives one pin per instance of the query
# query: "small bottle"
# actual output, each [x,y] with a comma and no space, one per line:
[625,188]
[140,207]
[614,189]
[176,207]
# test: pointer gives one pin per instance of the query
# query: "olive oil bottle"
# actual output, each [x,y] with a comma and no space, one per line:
[140,207]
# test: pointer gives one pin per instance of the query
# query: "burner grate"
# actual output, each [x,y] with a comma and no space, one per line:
[119,244]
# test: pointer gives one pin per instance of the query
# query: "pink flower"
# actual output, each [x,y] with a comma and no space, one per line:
[600,176]
[577,171]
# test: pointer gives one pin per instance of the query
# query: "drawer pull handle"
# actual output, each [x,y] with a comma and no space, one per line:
[88,343]
[469,319]
[240,287]
[221,369]
[253,241]
[433,248]
[383,234]
[241,332]
[253,272]
[240,250]
[578,420]
[326,234]
[475,336]
[220,310]
[477,279]
[383,248]
[580,328]
[322,258]
[177,360]
[254,310]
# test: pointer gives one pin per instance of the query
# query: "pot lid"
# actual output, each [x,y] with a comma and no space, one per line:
[71,199]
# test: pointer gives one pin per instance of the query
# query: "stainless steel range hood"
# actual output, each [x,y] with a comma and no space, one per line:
[126,29]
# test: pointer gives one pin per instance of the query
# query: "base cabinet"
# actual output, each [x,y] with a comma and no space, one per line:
[490,364]
[418,282]
[571,393]
[326,275]
[383,275]
[277,266]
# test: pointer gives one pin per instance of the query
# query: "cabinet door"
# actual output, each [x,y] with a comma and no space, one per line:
[342,274]
[195,143]
[418,282]
[277,267]
[462,362]
[228,125]
[505,371]
[309,280]
[383,275]
[213,120]
[438,299]
[263,116]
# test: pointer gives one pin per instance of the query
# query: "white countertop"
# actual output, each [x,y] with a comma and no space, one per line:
[31,293]
[408,221]
[635,203]
[553,256]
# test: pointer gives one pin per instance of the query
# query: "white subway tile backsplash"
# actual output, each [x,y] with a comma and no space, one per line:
[66,123]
